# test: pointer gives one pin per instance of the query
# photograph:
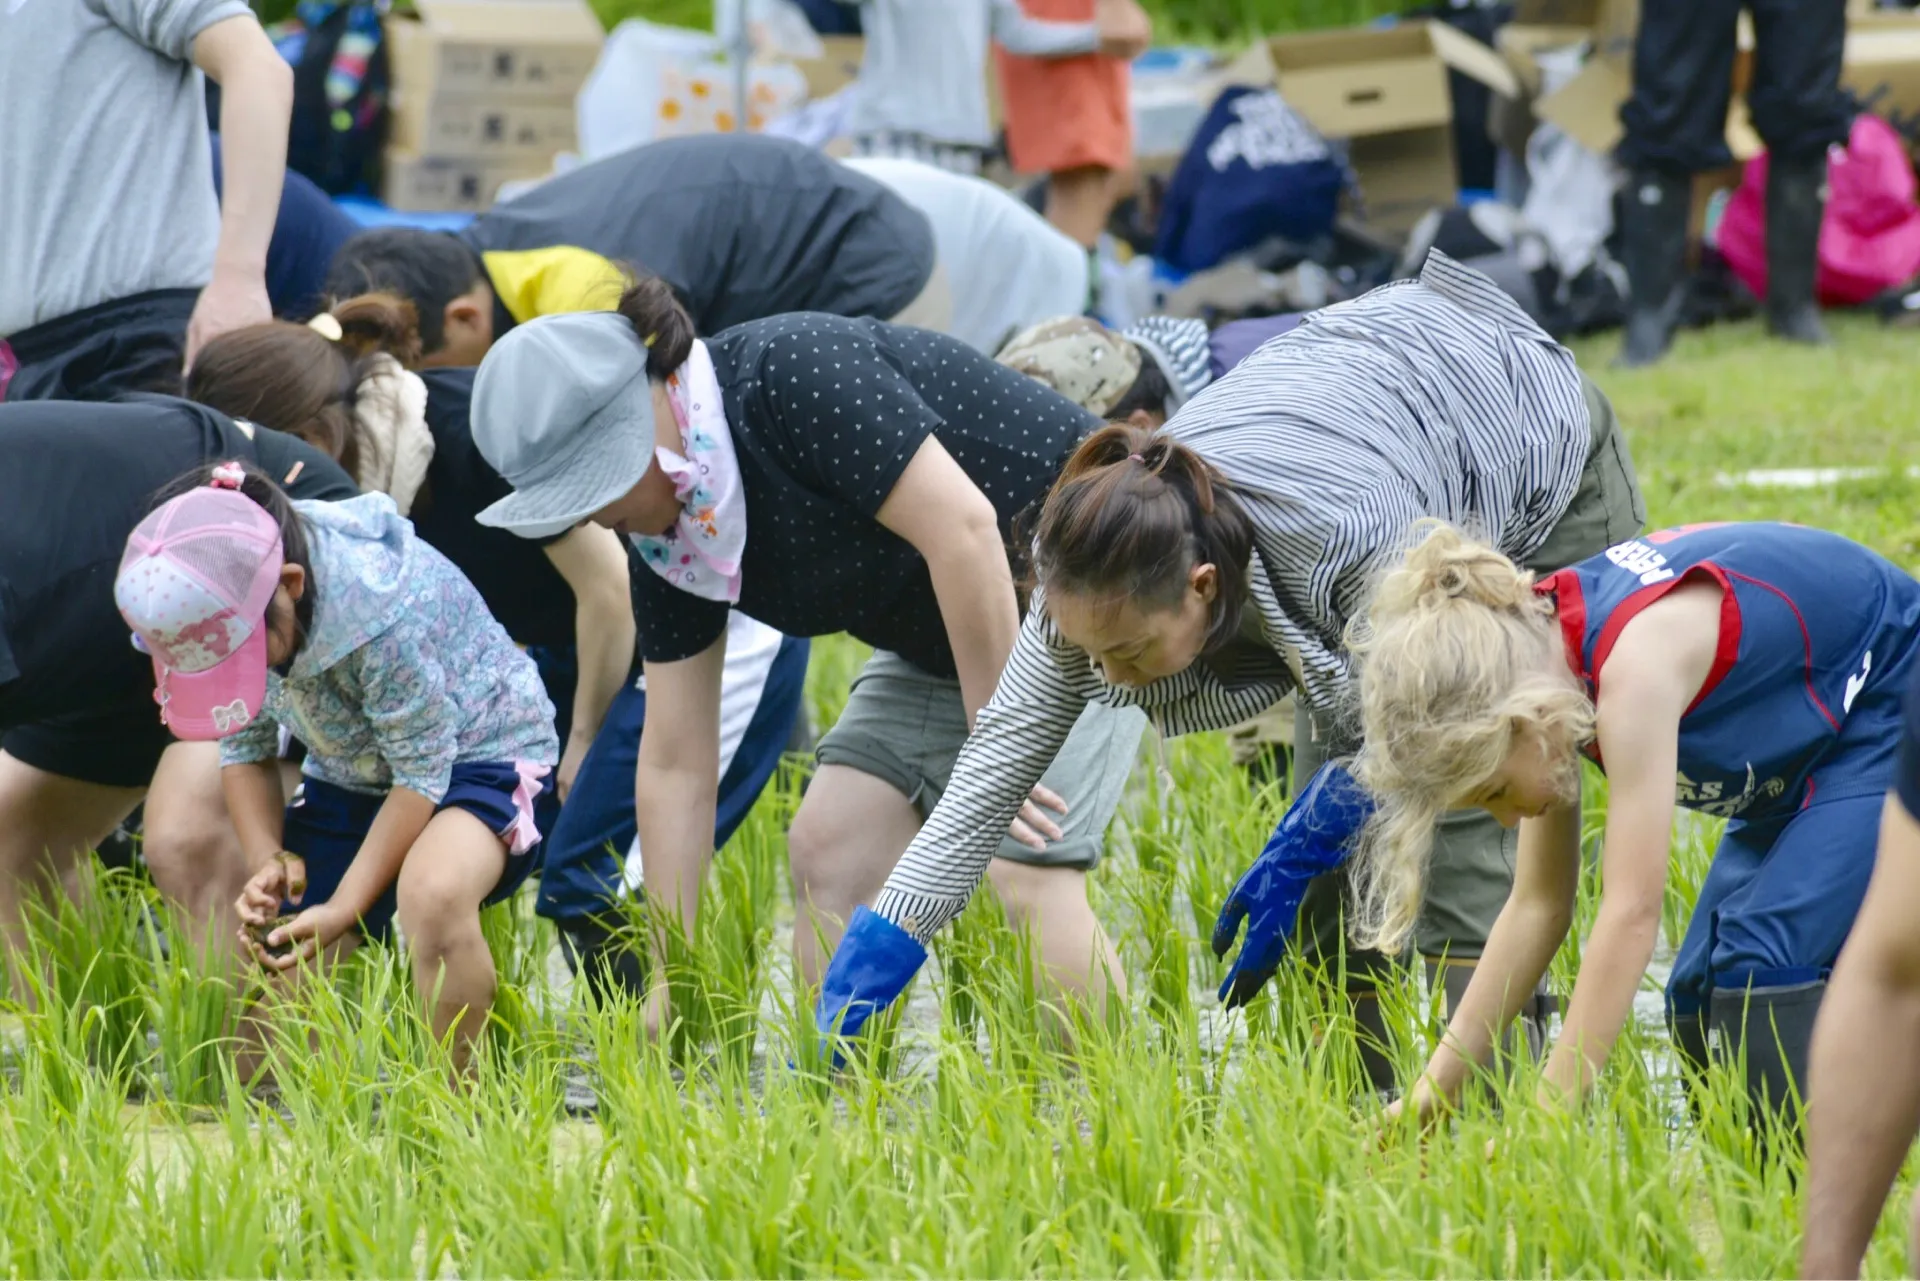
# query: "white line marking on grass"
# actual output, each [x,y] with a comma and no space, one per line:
[1802,477]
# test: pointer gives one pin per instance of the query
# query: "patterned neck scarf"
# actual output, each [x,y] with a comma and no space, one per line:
[701,553]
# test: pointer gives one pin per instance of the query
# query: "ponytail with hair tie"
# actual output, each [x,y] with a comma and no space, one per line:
[1111,531]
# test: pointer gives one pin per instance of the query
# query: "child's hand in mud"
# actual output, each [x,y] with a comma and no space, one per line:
[283,879]
[299,940]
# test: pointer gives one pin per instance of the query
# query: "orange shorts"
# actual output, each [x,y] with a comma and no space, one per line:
[1065,113]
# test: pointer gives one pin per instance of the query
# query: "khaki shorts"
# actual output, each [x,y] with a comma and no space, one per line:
[1473,856]
[905,727]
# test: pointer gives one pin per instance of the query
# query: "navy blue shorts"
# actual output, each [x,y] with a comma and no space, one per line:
[588,868]
[326,825]
[1782,892]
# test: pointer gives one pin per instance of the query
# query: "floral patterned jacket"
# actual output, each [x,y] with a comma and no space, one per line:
[404,674]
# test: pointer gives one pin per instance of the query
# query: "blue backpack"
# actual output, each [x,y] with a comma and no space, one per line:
[1255,169]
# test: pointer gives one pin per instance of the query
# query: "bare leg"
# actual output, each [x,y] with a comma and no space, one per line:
[448,874]
[192,849]
[1077,959]
[1079,202]
[849,832]
[47,822]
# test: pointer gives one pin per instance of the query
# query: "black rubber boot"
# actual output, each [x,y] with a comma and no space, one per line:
[608,959]
[121,849]
[1654,252]
[1375,1041]
[1796,202]
[1688,1032]
[1773,1026]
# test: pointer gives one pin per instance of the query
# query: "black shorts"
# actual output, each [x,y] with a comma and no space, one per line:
[128,344]
[112,746]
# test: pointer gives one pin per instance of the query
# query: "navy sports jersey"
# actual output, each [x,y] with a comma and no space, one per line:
[1816,641]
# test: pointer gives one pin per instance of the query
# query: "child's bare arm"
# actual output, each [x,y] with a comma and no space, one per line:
[258,808]
[1529,930]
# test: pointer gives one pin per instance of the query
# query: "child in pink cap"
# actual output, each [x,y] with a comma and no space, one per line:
[428,732]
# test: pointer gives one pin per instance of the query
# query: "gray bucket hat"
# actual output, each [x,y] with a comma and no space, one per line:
[563,411]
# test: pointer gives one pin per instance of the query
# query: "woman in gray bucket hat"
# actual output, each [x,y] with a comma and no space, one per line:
[821,475]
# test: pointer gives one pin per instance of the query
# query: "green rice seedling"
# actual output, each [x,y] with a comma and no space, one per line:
[343,1043]
[192,1006]
[736,927]
[68,1163]
[88,964]
[519,943]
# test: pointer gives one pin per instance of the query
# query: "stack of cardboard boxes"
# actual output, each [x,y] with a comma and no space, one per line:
[483,94]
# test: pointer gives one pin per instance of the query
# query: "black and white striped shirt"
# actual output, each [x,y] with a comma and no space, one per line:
[1436,397]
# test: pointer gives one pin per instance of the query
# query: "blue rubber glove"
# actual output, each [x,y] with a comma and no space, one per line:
[872,966]
[1314,836]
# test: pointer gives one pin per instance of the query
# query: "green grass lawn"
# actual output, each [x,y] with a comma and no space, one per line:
[1175,1142]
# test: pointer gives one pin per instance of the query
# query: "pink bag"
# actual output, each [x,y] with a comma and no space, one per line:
[1870,237]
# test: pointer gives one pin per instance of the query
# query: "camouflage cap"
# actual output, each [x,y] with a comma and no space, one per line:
[1078,357]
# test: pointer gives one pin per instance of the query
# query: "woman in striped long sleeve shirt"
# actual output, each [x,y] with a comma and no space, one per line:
[1204,570]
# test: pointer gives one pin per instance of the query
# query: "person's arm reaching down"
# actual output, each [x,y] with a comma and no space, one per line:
[676,783]
[403,816]
[936,507]
[1865,1099]
[1529,930]
[256,102]
[1643,696]
[1017,736]
[594,563]
[1313,837]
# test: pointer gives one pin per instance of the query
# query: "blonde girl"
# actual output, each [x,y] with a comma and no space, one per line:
[1748,671]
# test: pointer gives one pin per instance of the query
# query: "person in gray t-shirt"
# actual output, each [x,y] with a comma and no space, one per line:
[118,262]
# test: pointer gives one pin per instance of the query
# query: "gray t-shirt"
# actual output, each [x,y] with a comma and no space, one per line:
[108,191]
[742,226]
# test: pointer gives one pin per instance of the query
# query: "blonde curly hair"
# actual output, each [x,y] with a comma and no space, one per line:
[1455,656]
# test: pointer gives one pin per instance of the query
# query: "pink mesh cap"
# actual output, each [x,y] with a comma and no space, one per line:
[194,585]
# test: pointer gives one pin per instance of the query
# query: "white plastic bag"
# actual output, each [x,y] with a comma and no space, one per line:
[664,82]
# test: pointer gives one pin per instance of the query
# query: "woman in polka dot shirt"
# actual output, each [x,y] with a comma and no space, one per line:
[821,475]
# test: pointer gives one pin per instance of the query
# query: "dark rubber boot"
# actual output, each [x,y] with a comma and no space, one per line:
[1773,1026]
[1526,1040]
[1688,1032]
[1654,252]
[1375,1041]
[1796,202]
[121,849]
[608,959]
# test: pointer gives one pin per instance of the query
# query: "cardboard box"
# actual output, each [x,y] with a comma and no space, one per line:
[494,48]
[483,127]
[1520,43]
[837,66]
[1384,90]
[442,184]
[1588,106]
[1882,69]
